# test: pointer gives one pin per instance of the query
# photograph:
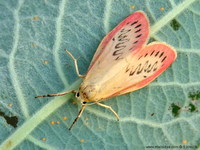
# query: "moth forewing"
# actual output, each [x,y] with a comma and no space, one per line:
[131,34]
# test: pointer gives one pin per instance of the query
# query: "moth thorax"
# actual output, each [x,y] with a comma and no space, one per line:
[88,92]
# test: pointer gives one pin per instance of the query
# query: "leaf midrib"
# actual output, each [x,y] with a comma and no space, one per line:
[170,15]
[20,134]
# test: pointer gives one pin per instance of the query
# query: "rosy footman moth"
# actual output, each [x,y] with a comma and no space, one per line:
[122,63]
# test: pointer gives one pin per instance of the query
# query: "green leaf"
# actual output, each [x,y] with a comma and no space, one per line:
[33,36]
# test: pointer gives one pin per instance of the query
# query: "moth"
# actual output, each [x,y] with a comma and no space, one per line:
[123,63]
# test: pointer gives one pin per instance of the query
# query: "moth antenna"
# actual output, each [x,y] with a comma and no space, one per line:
[57,94]
[79,115]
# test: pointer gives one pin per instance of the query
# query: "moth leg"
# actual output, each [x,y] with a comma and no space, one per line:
[109,107]
[79,115]
[57,94]
[75,64]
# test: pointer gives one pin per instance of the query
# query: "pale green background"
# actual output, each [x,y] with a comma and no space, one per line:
[79,26]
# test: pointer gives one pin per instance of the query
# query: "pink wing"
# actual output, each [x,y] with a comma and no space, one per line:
[132,73]
[131,34]
[146,65]
[123,63]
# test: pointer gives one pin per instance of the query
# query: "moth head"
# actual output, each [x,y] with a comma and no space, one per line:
[87,93]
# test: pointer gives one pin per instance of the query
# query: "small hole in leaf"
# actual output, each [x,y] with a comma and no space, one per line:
[152,114]
[175,24]
[192,107]
[13,120]
[152,40]
[195,95]
[176,109]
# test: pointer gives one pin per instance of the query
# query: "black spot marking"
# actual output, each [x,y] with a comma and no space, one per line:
[138,36]
[131,73]
[113,39]
[125,31]
[121,41]
[138,31]
[161,54]
[137,68]
[139,57]
[148,69]
[145,66]
[134,23]
[140,68]
[116,53]
[120,45]
[145,54]
[157,53]
[135,42]
[164,58]
[152,53]
[123,38]
[138,26]
[127,69]
[131,48]
[175,24]
[118,58]
[154,67]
